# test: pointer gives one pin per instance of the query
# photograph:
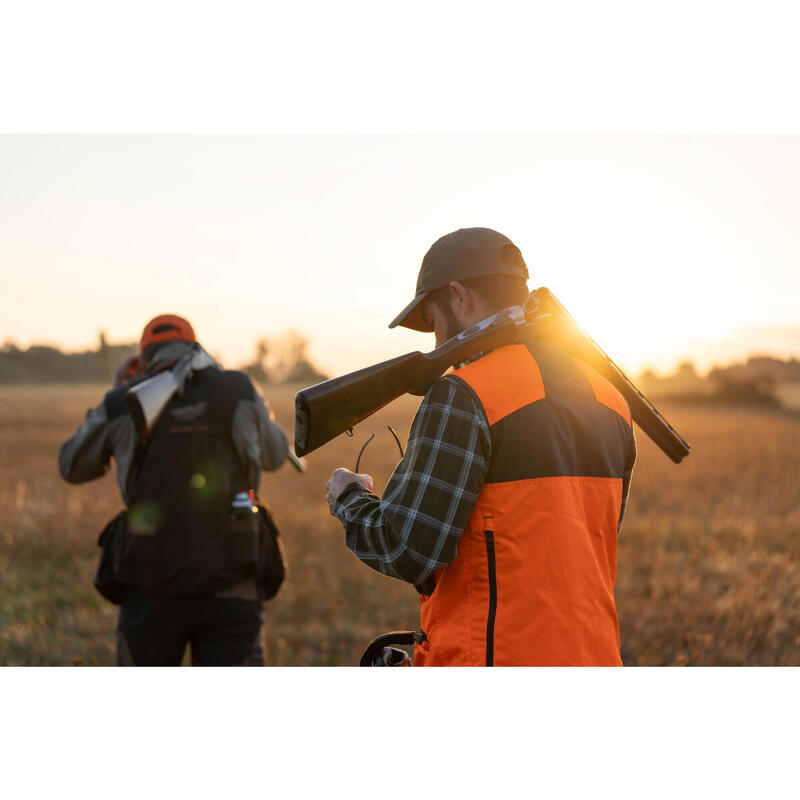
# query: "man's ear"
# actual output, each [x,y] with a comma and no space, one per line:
[460,298]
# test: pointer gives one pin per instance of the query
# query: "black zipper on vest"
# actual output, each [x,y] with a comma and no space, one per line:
[489,534]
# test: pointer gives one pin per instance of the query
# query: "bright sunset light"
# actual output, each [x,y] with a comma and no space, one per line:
[663,248]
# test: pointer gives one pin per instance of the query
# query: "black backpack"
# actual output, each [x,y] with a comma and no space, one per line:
[178,536]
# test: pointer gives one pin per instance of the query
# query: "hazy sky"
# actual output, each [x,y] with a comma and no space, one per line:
[662,247]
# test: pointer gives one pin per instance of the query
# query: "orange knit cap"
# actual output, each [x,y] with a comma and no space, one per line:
[165,327]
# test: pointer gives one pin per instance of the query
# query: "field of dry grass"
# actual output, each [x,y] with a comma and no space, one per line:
[709,570]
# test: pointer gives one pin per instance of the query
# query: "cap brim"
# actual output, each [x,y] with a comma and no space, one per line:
[411,316]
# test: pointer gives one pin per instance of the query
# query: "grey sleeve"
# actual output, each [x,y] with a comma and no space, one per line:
[272,440]
[257,436]
[86,455]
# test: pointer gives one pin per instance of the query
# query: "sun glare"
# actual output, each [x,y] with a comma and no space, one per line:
[647,241]
[640,290]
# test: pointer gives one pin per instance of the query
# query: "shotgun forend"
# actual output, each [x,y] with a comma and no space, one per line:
[329,408]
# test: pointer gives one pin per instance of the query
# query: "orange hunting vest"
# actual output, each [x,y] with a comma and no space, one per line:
[533,580]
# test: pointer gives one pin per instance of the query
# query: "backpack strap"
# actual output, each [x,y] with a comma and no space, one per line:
[232,386]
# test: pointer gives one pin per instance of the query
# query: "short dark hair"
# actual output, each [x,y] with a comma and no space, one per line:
[497,291]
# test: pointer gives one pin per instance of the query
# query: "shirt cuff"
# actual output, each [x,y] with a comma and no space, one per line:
[346,493]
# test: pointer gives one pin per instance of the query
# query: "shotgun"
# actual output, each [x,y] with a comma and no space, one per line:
[332,407]
[147,400]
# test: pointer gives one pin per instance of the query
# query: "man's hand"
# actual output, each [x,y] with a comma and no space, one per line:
[341,478]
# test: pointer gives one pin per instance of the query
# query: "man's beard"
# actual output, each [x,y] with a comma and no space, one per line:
[452,325]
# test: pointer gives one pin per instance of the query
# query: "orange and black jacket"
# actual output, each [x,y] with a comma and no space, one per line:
[508,522]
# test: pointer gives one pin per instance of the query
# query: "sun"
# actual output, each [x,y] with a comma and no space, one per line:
[645,297]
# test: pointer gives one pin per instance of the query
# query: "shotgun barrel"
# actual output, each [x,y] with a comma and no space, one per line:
[147,400]
[579,344]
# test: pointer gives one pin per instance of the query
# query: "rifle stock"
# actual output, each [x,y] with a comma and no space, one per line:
[147,400]
[332,407]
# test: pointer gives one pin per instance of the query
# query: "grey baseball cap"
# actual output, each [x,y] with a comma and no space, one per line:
[465,253]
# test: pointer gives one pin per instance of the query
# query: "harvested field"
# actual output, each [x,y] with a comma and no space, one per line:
[709,570]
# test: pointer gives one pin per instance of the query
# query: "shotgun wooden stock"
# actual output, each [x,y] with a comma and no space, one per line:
[332,407]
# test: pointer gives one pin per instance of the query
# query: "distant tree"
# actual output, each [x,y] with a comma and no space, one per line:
[761,367]
[283,359]
[648,376]
[743,391]
[105,354]
[257,370]
[686,371]
[45,364]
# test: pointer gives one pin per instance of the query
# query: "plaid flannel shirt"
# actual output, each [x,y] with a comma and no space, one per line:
[414,529]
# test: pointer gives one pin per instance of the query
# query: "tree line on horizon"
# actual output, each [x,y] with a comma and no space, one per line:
[753,383]
[277,359]
[284,359]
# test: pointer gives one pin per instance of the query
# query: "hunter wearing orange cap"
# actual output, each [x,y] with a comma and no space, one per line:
[164,328]
[182,571]
[505,509]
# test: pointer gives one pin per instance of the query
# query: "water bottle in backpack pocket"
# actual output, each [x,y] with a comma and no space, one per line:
[243,531]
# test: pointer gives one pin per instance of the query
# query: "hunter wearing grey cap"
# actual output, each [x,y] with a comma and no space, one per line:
[413,530]
[458,256]
[505,509]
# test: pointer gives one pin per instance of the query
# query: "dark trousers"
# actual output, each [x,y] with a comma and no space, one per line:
[221,631]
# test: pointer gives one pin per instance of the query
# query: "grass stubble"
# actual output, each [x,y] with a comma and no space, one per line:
[709,572]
